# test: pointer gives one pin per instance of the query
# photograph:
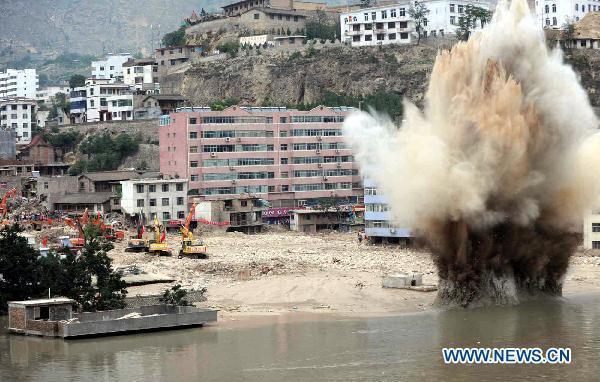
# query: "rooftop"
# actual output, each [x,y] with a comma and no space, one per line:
[140,62]
[84,198]
[588,27]
[47,301]
[101,176]
[166,97]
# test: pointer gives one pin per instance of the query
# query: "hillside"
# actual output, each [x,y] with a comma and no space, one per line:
[307,79]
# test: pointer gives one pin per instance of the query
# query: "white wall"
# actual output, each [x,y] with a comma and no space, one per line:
[555,13]
[17,114]
[442,19]
[138,75]
[19,83]
[111,67]
[130,197]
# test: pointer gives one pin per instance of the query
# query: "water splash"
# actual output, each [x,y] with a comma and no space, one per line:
[498,170]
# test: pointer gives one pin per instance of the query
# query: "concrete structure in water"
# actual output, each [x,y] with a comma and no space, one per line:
[287,157]
[55,318]
[378,225]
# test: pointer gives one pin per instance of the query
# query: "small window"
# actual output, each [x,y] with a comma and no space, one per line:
[194,164]
[140,202]
[166,216]
[283,147]
[180,215]
[595,244]
[165,202]
[152,203]
[152,188]
[165,187]
[139,188]
[193,135]
[180,201]
[368,37]
[179,187]
[256,16]
[271,189]
[284,160]
[285,188]
[193,121]
[243,203]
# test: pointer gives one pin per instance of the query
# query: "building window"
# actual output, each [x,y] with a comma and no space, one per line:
[380,37]
[452,10]
[373,15]
[392,36]
[194,163]
[152,203]
[179,187]
[194,178]
[425,22]
[180,200]
[139,188]
[193,149]
[296,18]
[595,244]
[285,188]
[554,8]
[140,202]
[366,15]
[165,202]
[554,21]
[180,215]
[165,187]
[193,135]
[391,25]
[461,9]
[355,38]
[284,160]
[283,147]
[583,43]
[368,37]
[384,14]
[595,227]
[393,13]
[402,12]
[271,189]
[452,20]
[547,22]
[166,216]
[256,16]
[193,121]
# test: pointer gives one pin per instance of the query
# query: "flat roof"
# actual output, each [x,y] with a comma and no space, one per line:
[46,301]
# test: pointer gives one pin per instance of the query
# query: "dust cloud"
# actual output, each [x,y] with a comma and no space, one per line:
[497,171]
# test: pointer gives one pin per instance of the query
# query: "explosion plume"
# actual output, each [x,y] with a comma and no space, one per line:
[498,170]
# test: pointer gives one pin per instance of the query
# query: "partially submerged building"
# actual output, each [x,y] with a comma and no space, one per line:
[243,214]
[55,318]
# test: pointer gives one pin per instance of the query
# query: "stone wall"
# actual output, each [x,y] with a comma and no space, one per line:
[138,301]
[148,128]
[16,318]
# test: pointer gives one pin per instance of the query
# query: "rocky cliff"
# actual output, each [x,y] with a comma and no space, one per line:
[292,78]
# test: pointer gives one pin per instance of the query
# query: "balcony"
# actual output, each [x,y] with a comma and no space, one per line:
[354,33]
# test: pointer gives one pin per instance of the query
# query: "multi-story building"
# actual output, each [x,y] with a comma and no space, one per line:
[243,214]
[391,24]
[78,105]
[555,14]
[288,157]
[46,95]
[378,222]
[18,114]
[19,83]
[139,74]
[111,67]
[591,230]
[165,199]
[108,101]
[169,58]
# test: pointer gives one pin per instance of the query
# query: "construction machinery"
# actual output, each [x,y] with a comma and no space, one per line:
[4,207]
[190,246]
[137,242]
[158,245]
[76,243]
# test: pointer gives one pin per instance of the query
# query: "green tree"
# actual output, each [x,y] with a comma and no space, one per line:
[76,80]
[175,296]
[322,27]
[175,38]
[366,3]
[468,22]
[418,12]
[568,34]
[229,47]
[19,268]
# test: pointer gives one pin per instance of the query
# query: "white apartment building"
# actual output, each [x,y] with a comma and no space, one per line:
[139,74]
[391,24]
[18,114]
[108,101]
[111,67]
[46,95]
[555,13]
[591,230]
[258,40]
[165,199]
[19,83]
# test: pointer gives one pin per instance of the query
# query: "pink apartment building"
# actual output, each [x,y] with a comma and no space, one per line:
[287,157]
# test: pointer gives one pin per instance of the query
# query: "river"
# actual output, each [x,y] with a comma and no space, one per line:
[399,348]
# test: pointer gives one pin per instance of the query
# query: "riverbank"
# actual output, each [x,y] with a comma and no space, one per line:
[290,274]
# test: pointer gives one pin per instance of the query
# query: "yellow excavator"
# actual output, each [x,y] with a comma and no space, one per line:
[190,246]
[158,245]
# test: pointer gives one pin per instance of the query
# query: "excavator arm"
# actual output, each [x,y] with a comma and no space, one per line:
[185,230]
[3,206]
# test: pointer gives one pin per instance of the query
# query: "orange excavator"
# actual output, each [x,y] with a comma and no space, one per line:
[190,246]
[4,208]
[76,242]
[107,230]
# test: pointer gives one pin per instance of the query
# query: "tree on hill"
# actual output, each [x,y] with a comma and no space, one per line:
[322,27]
[76,80]
[175,38]
[418,12]
[468,22]
[568,34]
